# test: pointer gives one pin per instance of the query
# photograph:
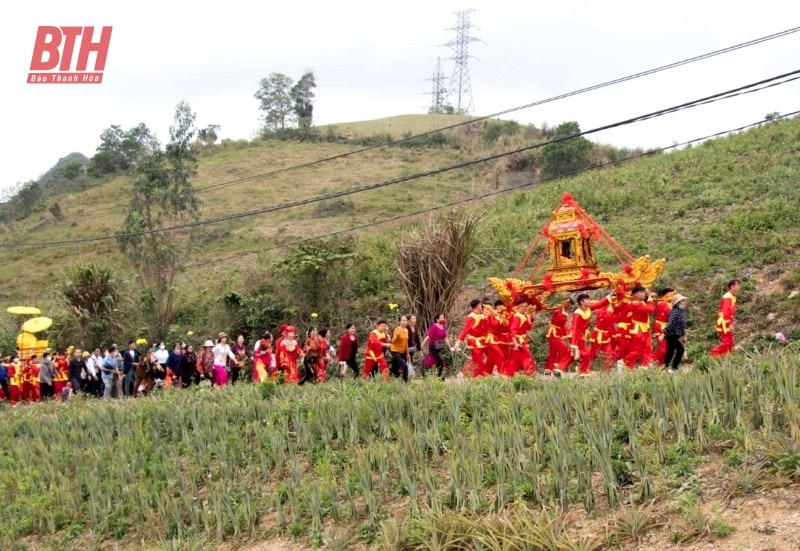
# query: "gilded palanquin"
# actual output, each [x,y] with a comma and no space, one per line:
[571,236]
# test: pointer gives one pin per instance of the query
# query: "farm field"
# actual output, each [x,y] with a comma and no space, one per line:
[642,460]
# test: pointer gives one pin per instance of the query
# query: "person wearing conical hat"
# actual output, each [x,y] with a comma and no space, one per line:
[205,362]
[675,332]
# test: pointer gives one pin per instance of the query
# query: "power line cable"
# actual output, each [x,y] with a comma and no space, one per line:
[237,181]
[749,88]
[518,108]
[460,202]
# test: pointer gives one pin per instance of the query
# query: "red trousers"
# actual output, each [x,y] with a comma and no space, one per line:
[623,345]
[726,346]
[585,365]
[640,350]
[605,352]
[661,351]
[559,356]
[369,364]
[520,359]
[480,365]
[495,357]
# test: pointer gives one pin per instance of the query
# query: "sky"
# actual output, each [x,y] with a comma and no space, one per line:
[372,59]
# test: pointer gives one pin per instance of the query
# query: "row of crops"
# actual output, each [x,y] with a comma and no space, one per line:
[249,462]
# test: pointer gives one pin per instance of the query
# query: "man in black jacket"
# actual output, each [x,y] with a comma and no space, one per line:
[129,363]
[75,368]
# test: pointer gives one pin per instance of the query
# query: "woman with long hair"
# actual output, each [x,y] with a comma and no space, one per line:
[437,342]
[222,353]
[348,349]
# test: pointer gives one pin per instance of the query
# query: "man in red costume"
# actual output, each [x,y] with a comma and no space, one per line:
[726,319]
[622,335]
[288,354]
[602,344]
[640,308]
[662,316]
[558,358]
[520,326]
[61,369]
[581,321]
[474,333]
[30,380]
[375,354]
[15,381]
[498,340]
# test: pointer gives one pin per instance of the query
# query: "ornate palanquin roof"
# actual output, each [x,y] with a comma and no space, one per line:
[569,239]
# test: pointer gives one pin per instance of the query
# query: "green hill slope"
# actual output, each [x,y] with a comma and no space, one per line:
[730,207]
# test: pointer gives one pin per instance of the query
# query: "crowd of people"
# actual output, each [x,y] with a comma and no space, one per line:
[497,338]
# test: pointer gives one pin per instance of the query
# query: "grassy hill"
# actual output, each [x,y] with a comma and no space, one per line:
[727,208]
[642,461]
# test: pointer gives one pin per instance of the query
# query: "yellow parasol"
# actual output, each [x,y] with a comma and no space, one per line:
[24,310]
[35,325]
[26,340]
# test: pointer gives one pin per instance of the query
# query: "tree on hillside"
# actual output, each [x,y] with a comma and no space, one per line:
[162,196]
[303,97]
[119,149]
[25,199]
[275,101]
[568,155]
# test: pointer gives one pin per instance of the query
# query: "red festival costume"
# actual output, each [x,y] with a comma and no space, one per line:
[61,378]
[559,357]
[521,357]
[375,354]
[725,319]
[474,334]
[622,334]
[640,342]
[581,320]
[30,383]
[498,342]
[289,352]
[662,316]
[601,341]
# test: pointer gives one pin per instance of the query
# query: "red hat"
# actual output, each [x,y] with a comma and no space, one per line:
[290,329]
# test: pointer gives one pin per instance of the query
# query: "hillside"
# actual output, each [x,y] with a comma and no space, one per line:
[727,208]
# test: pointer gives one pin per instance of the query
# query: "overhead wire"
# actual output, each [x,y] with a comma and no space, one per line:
[487,195]
[749,88]
[473,120]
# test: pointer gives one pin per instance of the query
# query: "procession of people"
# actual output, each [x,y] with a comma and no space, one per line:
[615,330]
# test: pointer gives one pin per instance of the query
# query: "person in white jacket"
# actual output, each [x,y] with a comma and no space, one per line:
[222,351]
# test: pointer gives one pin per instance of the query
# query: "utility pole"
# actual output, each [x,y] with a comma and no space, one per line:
[461,86]
[438,91]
